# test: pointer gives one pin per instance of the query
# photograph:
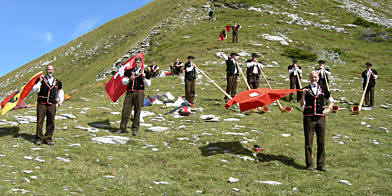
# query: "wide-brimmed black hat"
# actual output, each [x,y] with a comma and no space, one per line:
[368,63]
[234,54]
[254,55]
[321,62]
[191,57]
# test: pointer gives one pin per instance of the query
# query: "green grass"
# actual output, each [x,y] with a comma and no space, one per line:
[184,165]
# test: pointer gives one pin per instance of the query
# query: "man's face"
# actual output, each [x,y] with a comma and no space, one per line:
[321,64]
[313,77]
[190,60]
[235,57]
[49,70]
[368,66]
[138,63]
[177,60]
[153,63]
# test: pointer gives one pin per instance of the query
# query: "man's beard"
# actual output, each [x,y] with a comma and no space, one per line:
[50,74]
[314,83]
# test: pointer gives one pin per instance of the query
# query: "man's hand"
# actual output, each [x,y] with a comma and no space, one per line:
[143,75]
[41,78]
[60,104]
[326,111]
[132,78]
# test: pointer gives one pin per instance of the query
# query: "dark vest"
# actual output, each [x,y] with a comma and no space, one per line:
[372,81]
[190,75]
[322,81]
[315,104]
[47,93]
[230,67]
[137,84]
[249,70]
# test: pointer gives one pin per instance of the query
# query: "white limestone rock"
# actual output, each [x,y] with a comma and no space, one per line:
[111,139]
[157,129]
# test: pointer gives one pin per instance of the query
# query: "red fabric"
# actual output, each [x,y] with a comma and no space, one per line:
[24,90]
[255,98]
[5,101]
[227,29]
[114,89]
[220,37]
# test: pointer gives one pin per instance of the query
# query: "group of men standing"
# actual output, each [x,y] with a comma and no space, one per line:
[315,98]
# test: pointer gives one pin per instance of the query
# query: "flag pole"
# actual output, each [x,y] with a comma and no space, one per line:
[277,101]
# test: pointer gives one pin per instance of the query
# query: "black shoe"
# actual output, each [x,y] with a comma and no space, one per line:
[310,168]
[321,169]
[134,132]
[124,131]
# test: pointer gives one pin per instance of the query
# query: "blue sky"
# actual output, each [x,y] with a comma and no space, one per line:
[30,29]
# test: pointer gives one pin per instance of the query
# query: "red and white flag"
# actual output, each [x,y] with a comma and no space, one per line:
[113,87]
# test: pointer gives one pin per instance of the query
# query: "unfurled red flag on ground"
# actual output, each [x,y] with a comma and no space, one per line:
[114,88]
[255,98]
[16,97]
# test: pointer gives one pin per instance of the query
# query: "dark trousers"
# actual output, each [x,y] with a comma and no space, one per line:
[253,81]
[235,37]
[190,90]
[135,100]
[314,124]
[50,112]
[231,86]
[294,84]
[369,96]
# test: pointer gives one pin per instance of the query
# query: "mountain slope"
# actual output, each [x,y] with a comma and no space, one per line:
[194,156]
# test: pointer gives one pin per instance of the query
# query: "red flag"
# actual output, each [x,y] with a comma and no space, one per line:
[227,28]
[113,87]
[255,98]
[12,100]
[220,37]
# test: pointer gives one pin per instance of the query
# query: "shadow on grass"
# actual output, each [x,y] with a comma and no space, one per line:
[8,131]
[105,124]
[281,158]
[25,136]
[225,147]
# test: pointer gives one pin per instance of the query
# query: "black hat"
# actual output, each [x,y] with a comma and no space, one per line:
[321,62]
[294,60]
[234,54]
[191,57]
[254,55]
[368,63]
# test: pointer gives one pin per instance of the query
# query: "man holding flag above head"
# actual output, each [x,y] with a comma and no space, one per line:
[135,80]
[50,94]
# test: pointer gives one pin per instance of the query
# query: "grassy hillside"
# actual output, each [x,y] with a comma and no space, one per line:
[194,156]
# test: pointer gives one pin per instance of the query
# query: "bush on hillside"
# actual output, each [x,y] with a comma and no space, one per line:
[362,22]
[298,53]
[377,35]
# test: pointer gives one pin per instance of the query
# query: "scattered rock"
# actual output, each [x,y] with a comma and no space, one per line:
[346,182]
[286,134]
[160,182]
[157,129]
[65,160]
[231,119]
[69,116]
[268,182]
[231,133]
[110,140]
[236,189]
[232,180]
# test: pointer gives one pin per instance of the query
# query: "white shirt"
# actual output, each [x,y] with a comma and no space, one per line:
[189,69]
[368,75]
[321,72]
[235,66]
[255,68]
[295,71]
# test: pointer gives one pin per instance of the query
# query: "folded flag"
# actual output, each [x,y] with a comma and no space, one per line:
[16,97]
[255,98]
[114,89]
